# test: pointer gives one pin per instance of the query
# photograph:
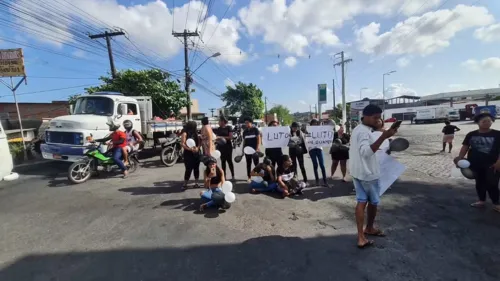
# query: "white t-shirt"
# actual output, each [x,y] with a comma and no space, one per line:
[385,145]
[363,163]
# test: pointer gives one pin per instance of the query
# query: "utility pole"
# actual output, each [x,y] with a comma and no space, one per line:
[185,35]
[108,36]
[310,111]
[333,112]
[315,111]
[212,111]
[265,109]
[342,63]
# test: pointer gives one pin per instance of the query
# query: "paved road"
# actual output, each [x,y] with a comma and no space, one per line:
[145,228]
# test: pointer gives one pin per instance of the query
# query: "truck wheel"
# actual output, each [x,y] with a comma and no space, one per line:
[168,156]
[80,171]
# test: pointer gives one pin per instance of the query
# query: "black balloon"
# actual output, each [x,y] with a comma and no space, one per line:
[238,158]
[221,141]
[399,144]
[468,173]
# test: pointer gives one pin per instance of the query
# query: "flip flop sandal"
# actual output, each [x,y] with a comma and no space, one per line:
[378,233]
[196,185]
[366,245]
[477,205]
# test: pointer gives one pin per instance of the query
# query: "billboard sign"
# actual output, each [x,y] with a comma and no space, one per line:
[322,94]
[12,63]
[359,105]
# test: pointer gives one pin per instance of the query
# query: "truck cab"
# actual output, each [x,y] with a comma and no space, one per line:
[6,156]
[68,136]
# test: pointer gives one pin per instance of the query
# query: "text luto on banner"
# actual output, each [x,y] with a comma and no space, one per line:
[274,137]
[319,136]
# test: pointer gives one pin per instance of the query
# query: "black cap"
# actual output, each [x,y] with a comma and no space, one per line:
[371,110]
[295,125]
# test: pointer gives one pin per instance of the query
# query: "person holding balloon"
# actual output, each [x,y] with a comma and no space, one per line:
[297,152]
[213,180]
[190,141]
[482,148]
[252,140]
[263,177]
[287,183]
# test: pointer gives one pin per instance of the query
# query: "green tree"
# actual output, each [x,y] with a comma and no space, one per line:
[283,114]
[338,113]
[166,94]
[244,98]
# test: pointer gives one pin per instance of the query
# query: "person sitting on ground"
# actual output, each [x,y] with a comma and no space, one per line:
[267,173]
[448,135]
[214,178]
[287,183]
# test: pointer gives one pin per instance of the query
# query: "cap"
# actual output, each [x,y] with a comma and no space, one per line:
[371,110]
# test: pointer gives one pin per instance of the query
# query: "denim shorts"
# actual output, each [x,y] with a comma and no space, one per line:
[367,191]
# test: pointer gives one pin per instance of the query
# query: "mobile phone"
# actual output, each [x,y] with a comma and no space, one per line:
[396,124]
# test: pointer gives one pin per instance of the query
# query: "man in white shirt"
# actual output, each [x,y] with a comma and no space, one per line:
[365,171]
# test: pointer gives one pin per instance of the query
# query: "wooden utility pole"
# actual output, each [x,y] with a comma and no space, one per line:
[212,111]
[333,112]
[342,63]
[108,36]
[185,35]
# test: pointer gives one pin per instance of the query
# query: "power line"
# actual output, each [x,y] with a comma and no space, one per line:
[53,90]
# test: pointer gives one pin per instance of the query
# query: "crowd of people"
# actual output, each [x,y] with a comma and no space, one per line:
[278,172]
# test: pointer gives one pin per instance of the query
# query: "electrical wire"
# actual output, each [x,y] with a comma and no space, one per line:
[53,90]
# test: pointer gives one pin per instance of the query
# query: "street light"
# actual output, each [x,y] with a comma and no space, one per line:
[383,87]
[361,91]
[212,56]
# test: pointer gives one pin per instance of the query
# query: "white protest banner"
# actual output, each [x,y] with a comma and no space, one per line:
[274,137]
[319,136]
[390,170]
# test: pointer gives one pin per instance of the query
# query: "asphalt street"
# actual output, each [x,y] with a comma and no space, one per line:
[145,228]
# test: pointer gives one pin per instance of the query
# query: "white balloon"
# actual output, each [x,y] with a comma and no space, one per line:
[215,154]
[464,164]
[190,143]
[230,197]
[248,150]
[227,187]
[257,179]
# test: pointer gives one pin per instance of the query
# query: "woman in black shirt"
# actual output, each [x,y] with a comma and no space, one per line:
[297,152]
[214,178]
[482,147]
[287,183]
[266,172]
[191,154]
[274,154]
[251,138]
[226,150]
[448,135]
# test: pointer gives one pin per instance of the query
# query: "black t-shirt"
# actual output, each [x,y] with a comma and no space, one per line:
[286,174]
[250,136]
[262,170]
[483,148]
[224,132]
[449,129]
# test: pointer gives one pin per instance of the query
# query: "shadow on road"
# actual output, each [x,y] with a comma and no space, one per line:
[164,187]
[263,258]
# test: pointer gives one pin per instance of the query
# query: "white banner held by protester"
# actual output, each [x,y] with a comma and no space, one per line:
[274,137]
[390,170]
[319,136]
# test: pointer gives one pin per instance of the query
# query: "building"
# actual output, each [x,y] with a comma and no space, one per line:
[34,110]
[195,111]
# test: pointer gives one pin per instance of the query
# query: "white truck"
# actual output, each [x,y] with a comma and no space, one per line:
[68,136]
[429,115]
[7,163]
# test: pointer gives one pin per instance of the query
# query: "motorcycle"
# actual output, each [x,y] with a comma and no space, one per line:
[237,138]
[172,151]
[95,161]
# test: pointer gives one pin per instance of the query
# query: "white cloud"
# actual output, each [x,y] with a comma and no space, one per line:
[488,33]
[150,25]
[290,61]
[458,87]
[492,63]
[275,68]
[422,35]
[297,25]
[229,83]
[403,61]
[303,102]
[396,90]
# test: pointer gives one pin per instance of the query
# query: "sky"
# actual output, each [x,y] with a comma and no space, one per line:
[285,47]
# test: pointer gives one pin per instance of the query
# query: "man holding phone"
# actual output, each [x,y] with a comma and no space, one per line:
[365,171]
